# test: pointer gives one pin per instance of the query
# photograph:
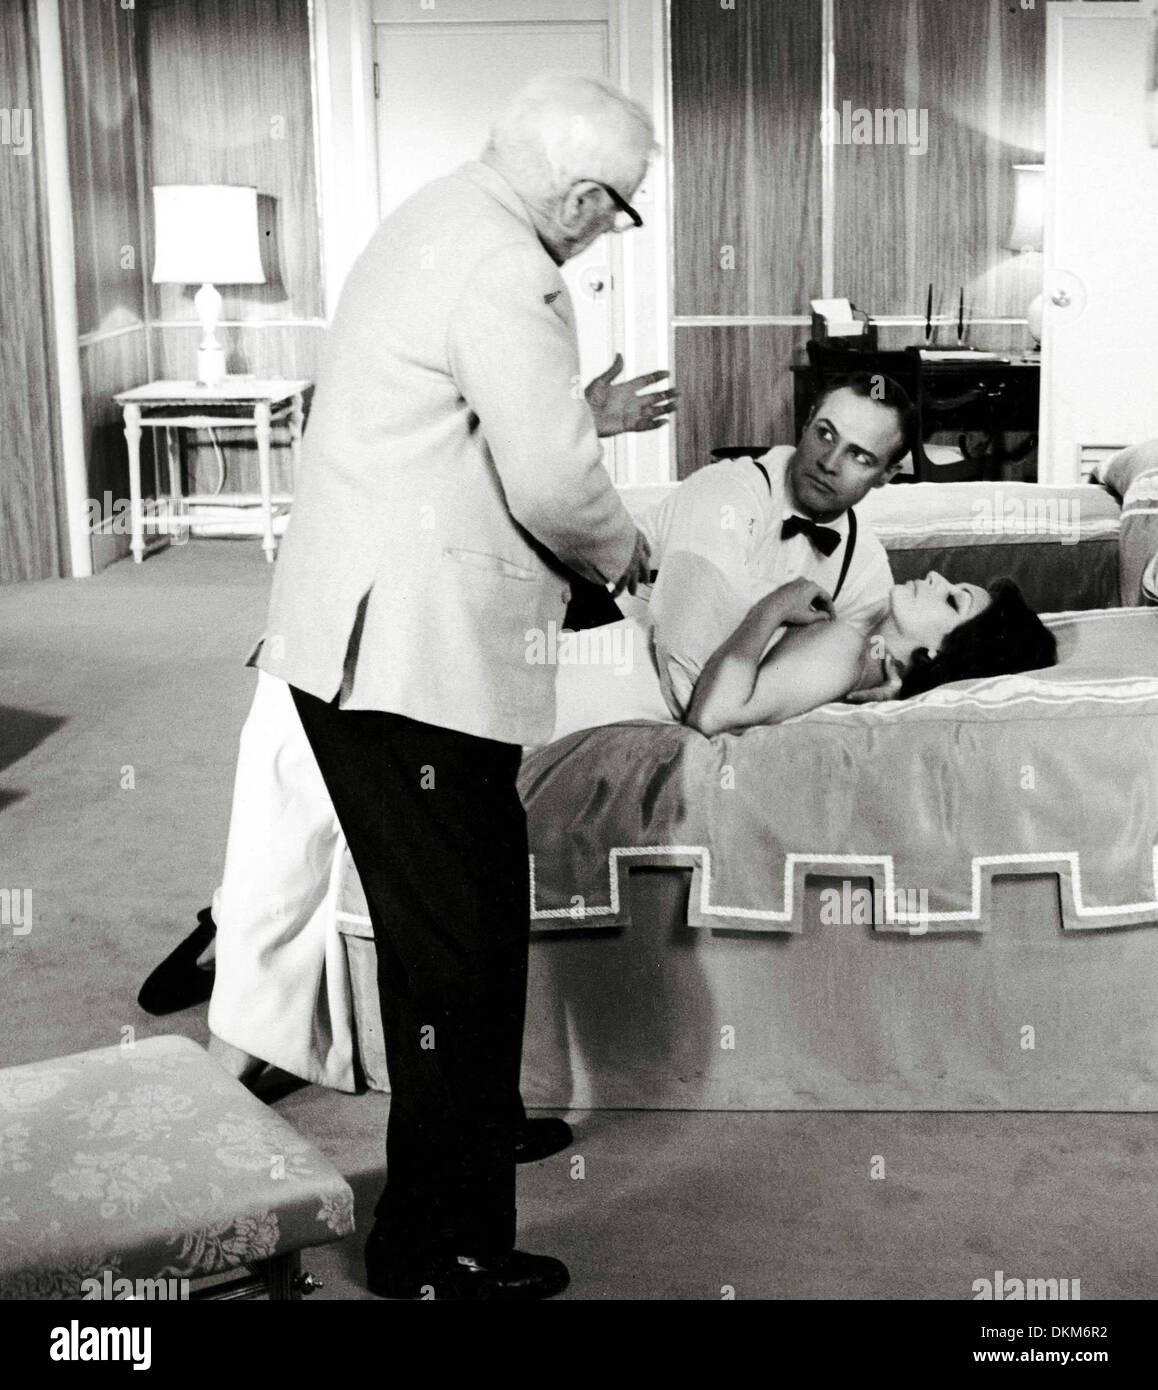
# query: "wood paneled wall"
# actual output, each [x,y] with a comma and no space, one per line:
[747,174]
[736,386]
[903,220]
[746,192]
[103,139]
[33,542]
[227,98]
[228,101]
[105,153]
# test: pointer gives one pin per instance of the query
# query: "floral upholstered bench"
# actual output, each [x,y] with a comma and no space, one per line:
[148,1162]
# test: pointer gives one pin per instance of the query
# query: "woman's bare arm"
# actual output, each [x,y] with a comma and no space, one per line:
[744,683]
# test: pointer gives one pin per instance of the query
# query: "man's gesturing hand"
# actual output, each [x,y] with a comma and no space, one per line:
[626,408]
[639,570]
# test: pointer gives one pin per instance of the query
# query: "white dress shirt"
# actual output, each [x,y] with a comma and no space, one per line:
[717,545]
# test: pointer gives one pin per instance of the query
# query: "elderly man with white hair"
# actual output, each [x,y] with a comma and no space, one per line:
[452,483]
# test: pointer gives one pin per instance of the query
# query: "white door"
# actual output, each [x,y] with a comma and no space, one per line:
[1099,350]
[440,86]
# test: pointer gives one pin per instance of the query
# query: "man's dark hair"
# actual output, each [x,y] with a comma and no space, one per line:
[875,386]
[1003,639]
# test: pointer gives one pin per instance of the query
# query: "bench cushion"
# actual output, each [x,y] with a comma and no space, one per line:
[151,1162]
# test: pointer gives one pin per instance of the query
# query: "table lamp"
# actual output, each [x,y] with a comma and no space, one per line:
[207,235]
[1028,230]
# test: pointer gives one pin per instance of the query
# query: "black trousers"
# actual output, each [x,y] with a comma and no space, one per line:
[439,838]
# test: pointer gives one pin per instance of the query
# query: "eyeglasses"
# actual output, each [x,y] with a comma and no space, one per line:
[623,208]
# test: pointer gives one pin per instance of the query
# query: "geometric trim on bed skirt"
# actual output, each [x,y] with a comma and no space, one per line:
[889,910]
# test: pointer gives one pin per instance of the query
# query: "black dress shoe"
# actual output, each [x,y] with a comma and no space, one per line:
[513,1278]
[542,1138]
[179,982]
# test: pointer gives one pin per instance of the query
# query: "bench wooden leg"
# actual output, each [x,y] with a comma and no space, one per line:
[282,1277]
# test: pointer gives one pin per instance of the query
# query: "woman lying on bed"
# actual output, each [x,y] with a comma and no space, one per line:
[791,654]
[787,653]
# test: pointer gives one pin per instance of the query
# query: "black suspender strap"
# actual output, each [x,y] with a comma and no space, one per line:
[849,545]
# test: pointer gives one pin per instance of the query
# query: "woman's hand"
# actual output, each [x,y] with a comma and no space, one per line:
[800,602]
[887,690]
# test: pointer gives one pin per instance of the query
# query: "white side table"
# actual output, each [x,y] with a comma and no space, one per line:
[237,401]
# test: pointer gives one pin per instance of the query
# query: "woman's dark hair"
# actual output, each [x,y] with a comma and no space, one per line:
[1007,637]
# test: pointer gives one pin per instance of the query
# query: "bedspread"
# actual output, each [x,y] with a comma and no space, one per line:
[929,799]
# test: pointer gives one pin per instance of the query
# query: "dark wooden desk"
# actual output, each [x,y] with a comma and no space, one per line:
[994,398]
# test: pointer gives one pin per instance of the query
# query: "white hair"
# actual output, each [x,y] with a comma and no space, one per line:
[565,126]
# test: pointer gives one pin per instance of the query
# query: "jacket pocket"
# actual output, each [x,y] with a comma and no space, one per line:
[492,564]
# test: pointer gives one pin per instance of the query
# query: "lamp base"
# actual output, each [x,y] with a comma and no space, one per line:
[1033,317]
[210,366]
[210,354]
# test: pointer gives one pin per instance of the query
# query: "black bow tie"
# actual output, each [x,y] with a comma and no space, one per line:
[823,538]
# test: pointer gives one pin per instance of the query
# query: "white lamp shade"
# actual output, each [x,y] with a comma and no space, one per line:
[206,234]
[1028,228]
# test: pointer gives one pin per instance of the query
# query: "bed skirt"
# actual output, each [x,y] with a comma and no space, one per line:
[661,1016]
[1026,1016]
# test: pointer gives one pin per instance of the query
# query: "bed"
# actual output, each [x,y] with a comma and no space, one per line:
[946,904]
[828,913]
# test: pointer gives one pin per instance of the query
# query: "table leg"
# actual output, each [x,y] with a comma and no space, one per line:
[261,420]
[295,440]
[176,496]
[133,439]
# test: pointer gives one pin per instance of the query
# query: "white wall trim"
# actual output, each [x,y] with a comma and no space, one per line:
[103,335]
[62,274]
[487,11]
[342,52]
[243,323]
[804,321]
[642,53]
[827,151]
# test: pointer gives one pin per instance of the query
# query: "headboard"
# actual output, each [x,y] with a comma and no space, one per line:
[1060,544]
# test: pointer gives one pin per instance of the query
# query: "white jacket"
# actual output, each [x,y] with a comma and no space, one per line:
[450,463]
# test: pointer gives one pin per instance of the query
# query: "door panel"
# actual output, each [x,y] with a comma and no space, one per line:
[1101,286]
[441,87]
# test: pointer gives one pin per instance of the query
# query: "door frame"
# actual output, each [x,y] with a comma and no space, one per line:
[60,265]
[345,124]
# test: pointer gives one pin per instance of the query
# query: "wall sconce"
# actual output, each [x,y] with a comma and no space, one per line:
[1027,232]
[1028,229]
[206,234]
